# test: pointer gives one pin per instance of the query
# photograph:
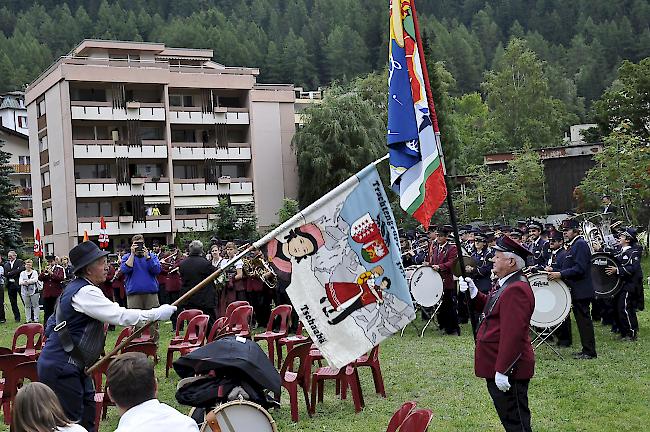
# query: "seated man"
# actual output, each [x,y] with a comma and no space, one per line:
[132,385]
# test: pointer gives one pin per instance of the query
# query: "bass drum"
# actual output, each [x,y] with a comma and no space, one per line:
[605,285]
[239,416]
[426,286]
[552,301]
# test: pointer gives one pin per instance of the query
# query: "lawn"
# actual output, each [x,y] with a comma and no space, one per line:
[611,393]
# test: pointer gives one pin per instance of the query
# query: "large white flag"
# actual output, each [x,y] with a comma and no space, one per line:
[341,260]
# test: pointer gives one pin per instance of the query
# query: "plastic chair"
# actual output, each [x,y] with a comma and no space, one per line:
[291,341]
[22,371]
[345,377]
[8,363]
[196,330]
[217,329]
[291,380]
[125,333]
[417,421]
[371,360]
[234,305]
[283,312]
[184,319]
[400,415]
[145,336]
[34,333]
[240,321]
[148,348]
[102,400]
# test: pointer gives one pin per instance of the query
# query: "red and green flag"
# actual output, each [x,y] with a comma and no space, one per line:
[416,171]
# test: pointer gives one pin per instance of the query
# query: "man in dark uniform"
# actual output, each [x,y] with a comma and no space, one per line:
[75,333]
[609,208]
[442,257]
[538,246]
[504,354]
[576,273]
[553,260]
[629,267]
[482,273]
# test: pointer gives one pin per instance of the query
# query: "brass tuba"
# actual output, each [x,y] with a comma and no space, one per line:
[257,267]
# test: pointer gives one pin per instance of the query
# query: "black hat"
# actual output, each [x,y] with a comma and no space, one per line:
[432,228]
[556,236]
[480,237]
[506,228]
[629,232]
[445,229]
[516,232]
[85,253]
[570,224]
[489,236]
[521,223]
[506,244]
[606,195]
[535,225]
[49,257]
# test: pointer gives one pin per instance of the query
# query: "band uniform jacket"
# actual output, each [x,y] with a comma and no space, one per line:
[576,269]
[482,274]
[502,339]
[629,269]
[444,256]
[538,249]
[556,261]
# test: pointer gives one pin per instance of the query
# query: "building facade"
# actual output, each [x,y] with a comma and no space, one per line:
[151,138]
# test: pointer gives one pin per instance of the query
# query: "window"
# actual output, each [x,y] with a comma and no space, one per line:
[23,160]
[45,178]
[22,122]
[88,94]
[94,209]
[180,100]
[47,214]
[183,135]
[230,170]
[49,248]
[26,182]
[92,171]
[42,143]
[148,170]
[151,133]
[40,108]
[186,171]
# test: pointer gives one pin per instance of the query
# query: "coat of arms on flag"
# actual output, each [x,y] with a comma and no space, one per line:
[341,265]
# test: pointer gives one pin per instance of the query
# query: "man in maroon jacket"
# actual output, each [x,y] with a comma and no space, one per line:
[442,257]
[504,355]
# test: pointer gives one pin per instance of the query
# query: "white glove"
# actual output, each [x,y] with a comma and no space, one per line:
[463,285]
[502,382]
[163,313]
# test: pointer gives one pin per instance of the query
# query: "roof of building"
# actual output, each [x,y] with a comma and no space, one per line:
[11,102]
[13,132]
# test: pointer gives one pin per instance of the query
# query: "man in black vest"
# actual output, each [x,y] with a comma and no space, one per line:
[13,267]
[75,333]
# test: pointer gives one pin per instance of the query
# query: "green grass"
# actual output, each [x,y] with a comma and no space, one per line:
[611,393]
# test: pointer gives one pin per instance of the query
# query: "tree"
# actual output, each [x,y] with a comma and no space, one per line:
[522,110]
[9,224]
[289,208]
[230,225]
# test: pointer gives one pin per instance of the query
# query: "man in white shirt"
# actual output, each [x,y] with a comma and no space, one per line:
[132,385]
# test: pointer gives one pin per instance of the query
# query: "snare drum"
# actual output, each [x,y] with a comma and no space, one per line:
[605,285]
[426,286]
[552,301]
[239,416]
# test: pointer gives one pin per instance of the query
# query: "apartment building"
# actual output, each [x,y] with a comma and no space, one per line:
[151,138]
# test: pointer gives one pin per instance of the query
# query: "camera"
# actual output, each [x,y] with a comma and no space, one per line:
[139,248]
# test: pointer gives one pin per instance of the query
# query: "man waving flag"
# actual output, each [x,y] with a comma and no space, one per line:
[416,171]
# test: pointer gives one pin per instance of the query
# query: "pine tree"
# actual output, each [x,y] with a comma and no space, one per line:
[9,224]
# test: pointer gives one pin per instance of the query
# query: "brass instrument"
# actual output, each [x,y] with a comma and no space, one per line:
[257,267]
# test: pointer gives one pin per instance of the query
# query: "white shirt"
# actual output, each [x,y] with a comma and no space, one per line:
[153,416]
[72,427]
[505,278]
[90,300]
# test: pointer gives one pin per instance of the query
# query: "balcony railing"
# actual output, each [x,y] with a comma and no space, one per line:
[106,187]
[105,149]
[22,191]
[25,212]
[21,168]
[153,225]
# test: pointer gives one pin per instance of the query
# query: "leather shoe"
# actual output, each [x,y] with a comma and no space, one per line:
[565,344]
[583,356]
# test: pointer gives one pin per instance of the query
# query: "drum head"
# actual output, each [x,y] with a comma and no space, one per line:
[552,301]
[605,285]
[426,286]
[244,416]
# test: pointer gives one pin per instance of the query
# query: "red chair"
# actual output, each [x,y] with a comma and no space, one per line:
[371,360]
[345,377]
[291,341]
[34,333]
[240,321]
[196,331]
[15,380]
[148,348]
[234,305]
[102,400]
[283,312]
[417,421]
[125,333]
[145,336]
[218,328]
[184,319]
[8,363]
[400,415]
[291,380]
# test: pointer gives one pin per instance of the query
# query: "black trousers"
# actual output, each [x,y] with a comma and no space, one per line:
[2,301]
[448,312]
[172,297]
[75,391]
[48,308]
[585,325]
[626,313]
[512,406]
[14,292]
[357,304]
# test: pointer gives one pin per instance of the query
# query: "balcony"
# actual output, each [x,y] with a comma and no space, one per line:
[194,115]
[21,168]
[90,188]
[153,225]
[106,149]
[20,191]
[197,187]
[186,223]
[90,110]
[195,151]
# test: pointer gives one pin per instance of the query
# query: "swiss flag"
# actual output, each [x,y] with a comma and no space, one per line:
[38,246]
